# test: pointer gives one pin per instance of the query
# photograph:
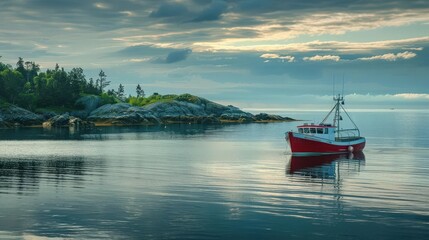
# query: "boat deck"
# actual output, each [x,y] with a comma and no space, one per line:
[346,139]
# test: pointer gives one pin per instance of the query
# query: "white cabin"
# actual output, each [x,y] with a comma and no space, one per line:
[326,131]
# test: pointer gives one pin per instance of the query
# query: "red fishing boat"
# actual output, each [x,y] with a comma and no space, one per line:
[326,138]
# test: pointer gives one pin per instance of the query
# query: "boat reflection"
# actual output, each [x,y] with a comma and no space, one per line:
[326,168]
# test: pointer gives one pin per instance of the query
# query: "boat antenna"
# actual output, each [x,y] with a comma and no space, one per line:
[342,92]
[333,86]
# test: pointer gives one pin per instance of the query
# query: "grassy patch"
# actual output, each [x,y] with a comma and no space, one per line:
[143,101]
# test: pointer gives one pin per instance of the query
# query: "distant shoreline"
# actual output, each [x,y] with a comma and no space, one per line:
[186,109]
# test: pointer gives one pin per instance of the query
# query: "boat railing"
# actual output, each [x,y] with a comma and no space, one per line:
[348,133]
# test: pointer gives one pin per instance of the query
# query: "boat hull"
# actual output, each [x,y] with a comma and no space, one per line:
[303,144]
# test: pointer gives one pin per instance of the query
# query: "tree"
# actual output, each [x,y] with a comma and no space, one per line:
[111,92]
[31,70]
[4,66]
[121,91]
[12,83]
[20,66]
[77,81]
[62,89]
[102,80]
[91,88]
[26,87]
[139,91]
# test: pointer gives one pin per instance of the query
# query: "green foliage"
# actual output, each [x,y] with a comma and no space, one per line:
[142,101]
[108,99]
[27,100]
[4,66]
[11,84]
[3,104]
[188,98]
[57,90]
[26,87]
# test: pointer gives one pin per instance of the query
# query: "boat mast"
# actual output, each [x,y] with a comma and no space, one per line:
[337,117]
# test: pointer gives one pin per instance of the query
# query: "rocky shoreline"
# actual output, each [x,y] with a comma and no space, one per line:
[198,111]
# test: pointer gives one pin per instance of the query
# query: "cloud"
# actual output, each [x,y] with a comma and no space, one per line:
[177,56]
[415,100]
[137,60]
[311,46]
[322,58]
[196,83]
[212,13]
[412,96]
[277,56]
[145,52]
[414,48]
[235,34]
[100,5]
[142,50]
[390,56]
[170,9]
[185,11]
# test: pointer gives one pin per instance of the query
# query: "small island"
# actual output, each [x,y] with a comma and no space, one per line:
[57,98]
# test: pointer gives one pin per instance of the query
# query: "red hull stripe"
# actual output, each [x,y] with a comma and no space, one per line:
[309,146]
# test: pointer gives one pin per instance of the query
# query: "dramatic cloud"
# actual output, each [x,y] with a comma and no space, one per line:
[390,56]
[267,49]
[322,58]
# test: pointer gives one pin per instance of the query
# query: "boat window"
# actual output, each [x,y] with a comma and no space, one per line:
[305,130]
[326,130]
[312,130]
[300,130]
[320,131]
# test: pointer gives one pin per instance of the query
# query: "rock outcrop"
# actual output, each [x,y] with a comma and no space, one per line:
[181,109]
[264,117]
[65,120]
[175,109]
[122,113]
[188,110]
[88,103]
[3,124]
[12,115]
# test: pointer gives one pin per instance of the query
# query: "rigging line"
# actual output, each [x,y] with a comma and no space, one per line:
[327,116]
[350,119]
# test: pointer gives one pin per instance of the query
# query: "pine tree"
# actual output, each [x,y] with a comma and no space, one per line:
[102,80]
[120,93]
[20,66]
[139,91]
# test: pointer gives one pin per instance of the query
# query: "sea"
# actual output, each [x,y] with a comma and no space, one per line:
[229,181]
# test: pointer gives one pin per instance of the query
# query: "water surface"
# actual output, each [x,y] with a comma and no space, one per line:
[215,182]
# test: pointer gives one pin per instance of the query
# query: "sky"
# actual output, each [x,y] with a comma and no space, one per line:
[247,53]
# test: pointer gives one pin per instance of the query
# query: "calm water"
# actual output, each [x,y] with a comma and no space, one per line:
[215,182]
